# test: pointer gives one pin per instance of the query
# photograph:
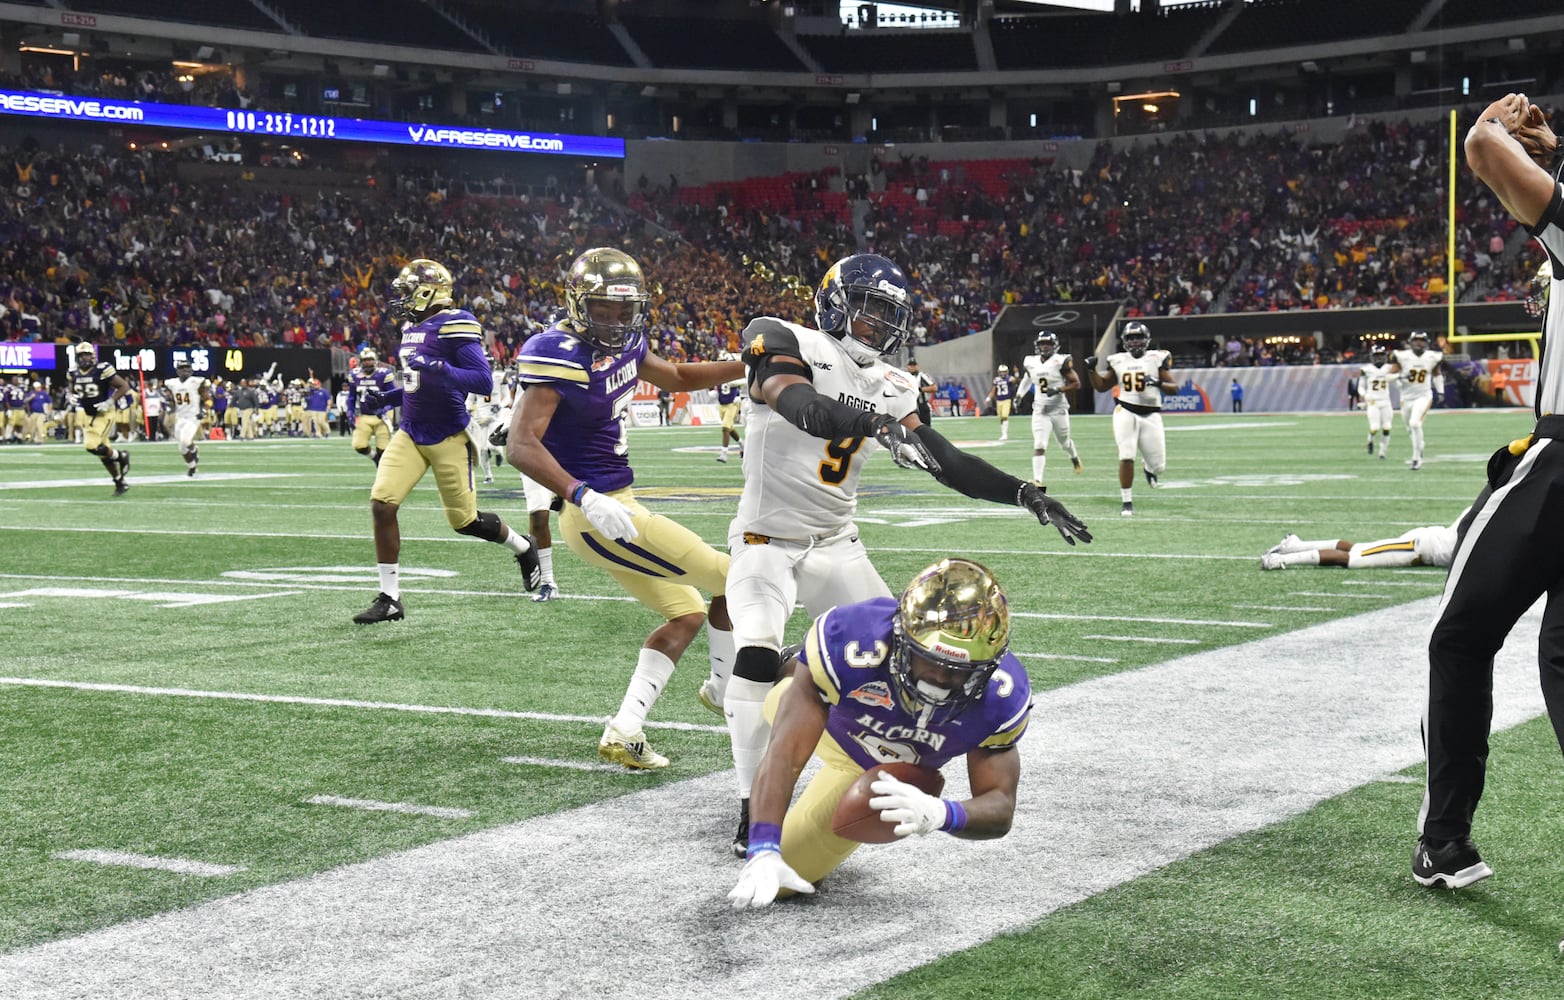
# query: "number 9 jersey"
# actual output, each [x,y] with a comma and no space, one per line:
[796,485]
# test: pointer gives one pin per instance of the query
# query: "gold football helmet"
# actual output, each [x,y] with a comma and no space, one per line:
[86,356]
[604,274]
[1541,285]
[954,616]
[421,286]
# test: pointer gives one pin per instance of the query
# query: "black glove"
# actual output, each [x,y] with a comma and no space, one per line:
[906,449]
[371,400]
[499,436]
[1090,361]
[1051,511]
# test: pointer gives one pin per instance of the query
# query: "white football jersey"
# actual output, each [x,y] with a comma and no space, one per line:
[1137,377]
[798,486]
[1047,374]
[1417,372]
[187,396]
[1374,383]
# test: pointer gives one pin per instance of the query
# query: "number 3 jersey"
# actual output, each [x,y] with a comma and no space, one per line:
[588,433]
[796,485]
[848,655]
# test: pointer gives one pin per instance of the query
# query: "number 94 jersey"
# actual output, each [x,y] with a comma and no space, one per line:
[588,435]
[798,486]
[847,654]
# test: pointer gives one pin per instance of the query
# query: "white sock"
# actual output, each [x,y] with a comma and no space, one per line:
[1069,446]
[722,651]
[1038,463]
[1124,494]
[1417,442]
[546,561]
[745,707]
[390,584]
[652,670]
[1309,557]
[516,542]
[1323,543]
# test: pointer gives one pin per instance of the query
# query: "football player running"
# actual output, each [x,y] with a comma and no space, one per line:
[1053,377]
[370,381]
[1002,395]
[442,360]
[100,387]
[1374,389]
[825,399]
[191,394]
[728,410]
[933,667]
[1142,376]
[1422,383]
[570,433]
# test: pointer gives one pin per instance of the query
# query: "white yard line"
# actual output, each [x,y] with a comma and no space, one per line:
[1139,618]
[1066,656]
[440,812]
[1155,639]
[572,765]
[381,706]
[1124,774]
[124,859]
[1278,607]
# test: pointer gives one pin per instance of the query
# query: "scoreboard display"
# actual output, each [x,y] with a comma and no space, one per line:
[229,363]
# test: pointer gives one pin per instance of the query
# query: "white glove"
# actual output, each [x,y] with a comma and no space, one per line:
[909,807]
[610,517]
[763,876]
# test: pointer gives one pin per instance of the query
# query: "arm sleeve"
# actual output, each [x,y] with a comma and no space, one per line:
[470,369]
[968,474]
[818,416]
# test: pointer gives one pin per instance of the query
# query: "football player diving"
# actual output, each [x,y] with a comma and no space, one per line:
[442,360]
[933,668]
[825,400]
[570,433]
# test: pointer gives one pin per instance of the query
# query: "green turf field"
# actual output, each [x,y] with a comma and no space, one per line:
[122,619]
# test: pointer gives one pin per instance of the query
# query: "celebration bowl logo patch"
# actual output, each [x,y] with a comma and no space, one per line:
[876,693]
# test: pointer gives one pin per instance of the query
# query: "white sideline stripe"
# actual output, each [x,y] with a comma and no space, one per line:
[1343,597]
[43,484]
[383,706]
[542,902]
[13,604]
[443,812]
[574,765]
[1139,618]
[1159,640]
[1280,607]
[1066,656]
[360,587]
[125,859]
[1438,582]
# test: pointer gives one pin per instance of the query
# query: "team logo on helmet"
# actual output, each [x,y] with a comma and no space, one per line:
[608,283]
[864,301]
[953,615]
[420,286]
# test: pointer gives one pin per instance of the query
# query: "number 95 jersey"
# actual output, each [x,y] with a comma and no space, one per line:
[848,656]
[588,435]
[796,485]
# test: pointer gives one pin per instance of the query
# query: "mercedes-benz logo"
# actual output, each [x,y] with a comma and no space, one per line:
[1059,318]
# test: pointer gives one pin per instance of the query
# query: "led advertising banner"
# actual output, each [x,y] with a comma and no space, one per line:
[288,125]
[229,363]
[19,357]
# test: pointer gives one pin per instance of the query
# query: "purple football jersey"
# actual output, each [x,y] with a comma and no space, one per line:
[434,404]
[848,653]
[588,434]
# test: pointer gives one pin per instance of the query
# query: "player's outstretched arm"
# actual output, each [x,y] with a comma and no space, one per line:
[971,476]
[687,376]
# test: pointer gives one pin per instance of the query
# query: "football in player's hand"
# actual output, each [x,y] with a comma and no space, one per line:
[854,820]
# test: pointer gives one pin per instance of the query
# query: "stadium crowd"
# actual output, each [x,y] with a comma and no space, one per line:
[124,246]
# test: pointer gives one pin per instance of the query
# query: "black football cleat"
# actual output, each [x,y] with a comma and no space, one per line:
[383,609]
[1453,864]
[122,462]
[1151,478]
[741,837]
[531,565]
[121,487]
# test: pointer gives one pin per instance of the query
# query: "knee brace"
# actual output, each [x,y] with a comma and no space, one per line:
[362,451]
[102,451]
[757,663]
[485,526]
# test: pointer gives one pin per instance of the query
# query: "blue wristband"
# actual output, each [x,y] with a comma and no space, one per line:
[577,491]
[764,837]
[955,816]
